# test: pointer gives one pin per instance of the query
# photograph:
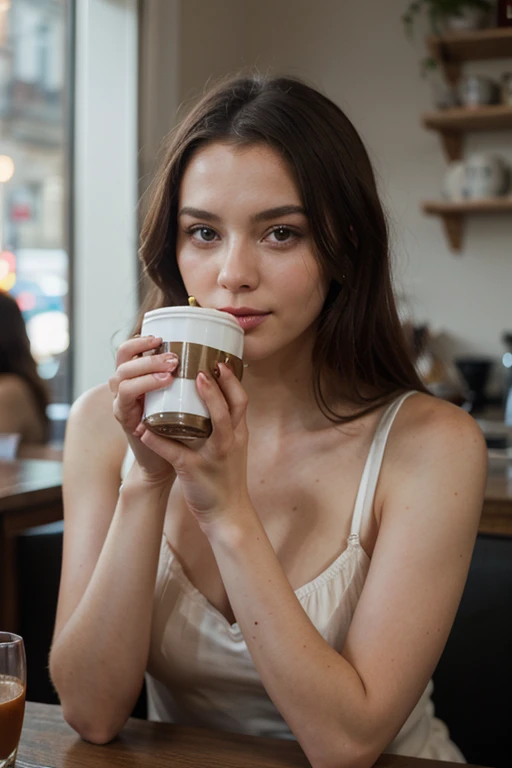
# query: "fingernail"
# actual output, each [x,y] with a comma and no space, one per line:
[162,375]
[216,371]
[171,359]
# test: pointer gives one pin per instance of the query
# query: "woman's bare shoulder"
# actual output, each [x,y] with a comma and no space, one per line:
[429,431]
[424,420]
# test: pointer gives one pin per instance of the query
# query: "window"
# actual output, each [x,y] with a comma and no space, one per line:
[35,152]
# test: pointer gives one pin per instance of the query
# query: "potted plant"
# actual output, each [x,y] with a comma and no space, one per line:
[448,14]
[445,15]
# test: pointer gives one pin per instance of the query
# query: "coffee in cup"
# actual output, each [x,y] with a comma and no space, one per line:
[201,338]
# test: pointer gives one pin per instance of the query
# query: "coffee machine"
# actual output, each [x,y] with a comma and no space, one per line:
[475,371]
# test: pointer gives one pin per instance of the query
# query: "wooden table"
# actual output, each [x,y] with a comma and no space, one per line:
[47,740]
[30,495]
[497,511]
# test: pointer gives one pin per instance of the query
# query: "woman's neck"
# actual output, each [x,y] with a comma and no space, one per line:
[281,392]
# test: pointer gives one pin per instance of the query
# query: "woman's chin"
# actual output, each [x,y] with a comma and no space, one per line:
[260,353]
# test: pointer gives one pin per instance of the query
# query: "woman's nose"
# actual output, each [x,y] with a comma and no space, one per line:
[238,269]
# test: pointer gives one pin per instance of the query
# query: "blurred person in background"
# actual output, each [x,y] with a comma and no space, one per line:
[23,394]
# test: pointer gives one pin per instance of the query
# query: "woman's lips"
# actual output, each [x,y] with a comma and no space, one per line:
[247,317]
[248,322]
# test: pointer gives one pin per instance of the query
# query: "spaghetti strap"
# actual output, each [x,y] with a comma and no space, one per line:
[370,476]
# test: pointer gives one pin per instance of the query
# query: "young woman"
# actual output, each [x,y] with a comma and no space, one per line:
[296,574]
[23,395]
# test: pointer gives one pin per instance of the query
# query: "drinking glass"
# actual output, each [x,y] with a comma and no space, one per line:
[13,681]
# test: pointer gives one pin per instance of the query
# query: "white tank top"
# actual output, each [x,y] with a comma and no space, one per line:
[200,671]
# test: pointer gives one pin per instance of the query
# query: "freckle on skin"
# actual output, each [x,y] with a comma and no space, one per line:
[305,646]
[317,480]
[294,509]
[255,622]
[262,482]
[456,494]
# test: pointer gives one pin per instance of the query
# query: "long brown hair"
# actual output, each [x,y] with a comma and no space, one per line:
[15,355]
[360,342]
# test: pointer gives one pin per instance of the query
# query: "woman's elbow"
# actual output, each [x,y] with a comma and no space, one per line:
[345,753]
[96,730]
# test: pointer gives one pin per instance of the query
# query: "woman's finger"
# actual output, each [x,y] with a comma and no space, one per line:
[148,364]
[176,453]
[234,394]
[130,390]
[211,394]
[136,346]
[139,431]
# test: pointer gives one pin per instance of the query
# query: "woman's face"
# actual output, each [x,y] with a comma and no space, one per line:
[244,245]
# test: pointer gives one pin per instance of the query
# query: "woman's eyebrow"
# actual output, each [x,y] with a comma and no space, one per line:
[275,213]
[270,213]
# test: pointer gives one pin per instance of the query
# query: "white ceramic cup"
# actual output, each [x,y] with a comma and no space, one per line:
[475,90]
[201,338]
[454,180]
[485,176]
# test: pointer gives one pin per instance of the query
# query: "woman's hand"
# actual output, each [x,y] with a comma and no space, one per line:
[135,375]
[213,474]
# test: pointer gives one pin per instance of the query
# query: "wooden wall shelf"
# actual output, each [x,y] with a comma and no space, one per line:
[451,50]
[455,47]
[452,124]
[453,214]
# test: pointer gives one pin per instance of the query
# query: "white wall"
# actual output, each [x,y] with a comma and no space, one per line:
[214,38]
[159,80]
[105,292]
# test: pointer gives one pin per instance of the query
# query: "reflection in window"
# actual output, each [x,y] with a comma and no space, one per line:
[34,141]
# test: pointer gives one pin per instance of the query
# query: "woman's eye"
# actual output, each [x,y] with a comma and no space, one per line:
[203,234]
[283,234]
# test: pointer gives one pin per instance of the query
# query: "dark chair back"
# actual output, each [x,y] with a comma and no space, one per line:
[473,680]
[39,557]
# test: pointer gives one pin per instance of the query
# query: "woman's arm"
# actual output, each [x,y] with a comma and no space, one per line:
[345,709]
[111,547]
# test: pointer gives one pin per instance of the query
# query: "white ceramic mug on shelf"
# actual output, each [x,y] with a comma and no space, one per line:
[476,90]
[201,338]
[454,181]
[485,176]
